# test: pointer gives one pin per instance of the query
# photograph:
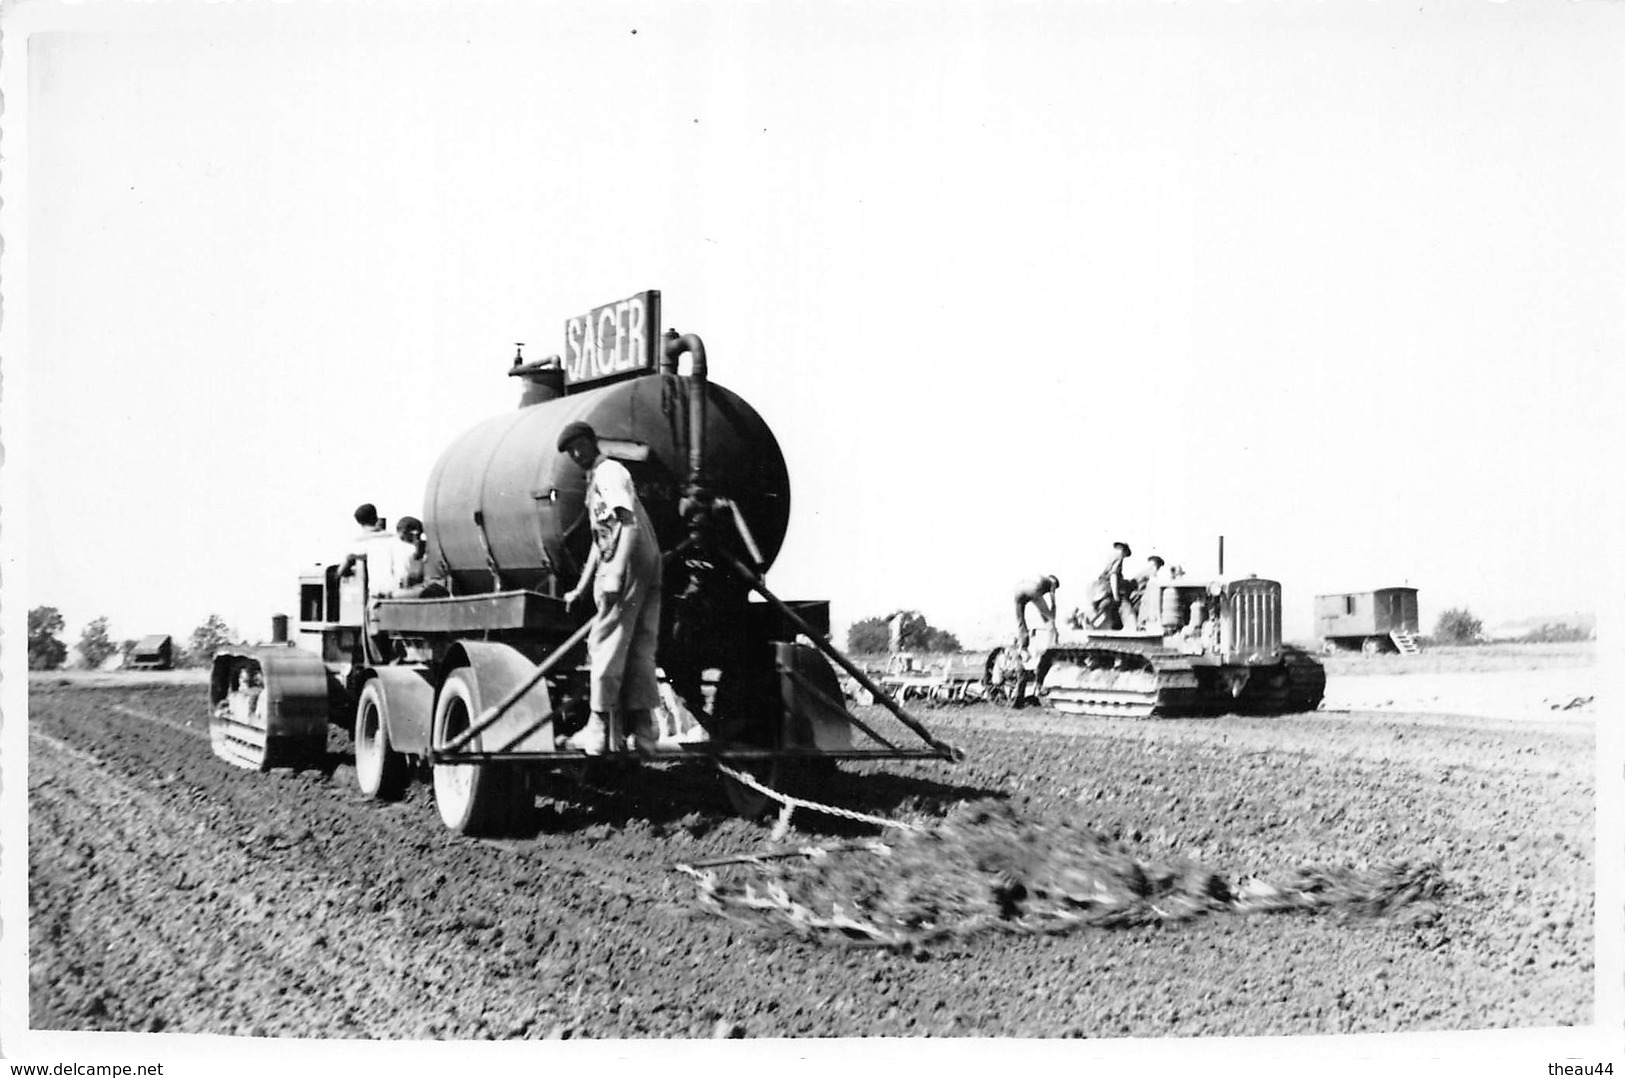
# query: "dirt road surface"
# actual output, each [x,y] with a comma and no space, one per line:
[171,892]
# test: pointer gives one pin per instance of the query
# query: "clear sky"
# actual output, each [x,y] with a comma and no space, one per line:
[1341,283]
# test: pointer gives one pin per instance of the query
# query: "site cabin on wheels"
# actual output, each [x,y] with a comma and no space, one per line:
[478,681]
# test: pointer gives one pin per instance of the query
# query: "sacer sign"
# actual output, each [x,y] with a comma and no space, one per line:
[612,341]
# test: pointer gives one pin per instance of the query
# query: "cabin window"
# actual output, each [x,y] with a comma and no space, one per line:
[1348,604]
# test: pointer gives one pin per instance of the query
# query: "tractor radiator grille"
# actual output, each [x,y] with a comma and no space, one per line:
[1255,619]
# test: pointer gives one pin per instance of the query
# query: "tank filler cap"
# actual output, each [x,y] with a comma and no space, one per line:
[518,357]
[521,367]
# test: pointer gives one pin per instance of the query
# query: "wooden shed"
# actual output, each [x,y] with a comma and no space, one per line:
[156,652]
[1382,620]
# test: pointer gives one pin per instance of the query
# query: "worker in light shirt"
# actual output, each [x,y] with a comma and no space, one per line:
[623,572]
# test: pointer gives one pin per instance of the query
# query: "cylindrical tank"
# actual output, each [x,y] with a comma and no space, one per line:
[502,494]
[1181,605]
[1173,611]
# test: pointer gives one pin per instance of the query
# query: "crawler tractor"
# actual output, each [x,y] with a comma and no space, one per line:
[476,681]
[1200,648]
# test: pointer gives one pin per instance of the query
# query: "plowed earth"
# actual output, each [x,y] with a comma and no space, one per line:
[170,891]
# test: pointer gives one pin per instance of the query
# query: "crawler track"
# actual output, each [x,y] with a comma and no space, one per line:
[1115,681]
[1108,680]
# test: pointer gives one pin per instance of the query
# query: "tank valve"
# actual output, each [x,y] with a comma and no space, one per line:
[518,357]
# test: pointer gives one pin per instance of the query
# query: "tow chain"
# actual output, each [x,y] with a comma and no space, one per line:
[789,804]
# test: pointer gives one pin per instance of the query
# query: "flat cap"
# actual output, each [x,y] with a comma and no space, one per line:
[573,430]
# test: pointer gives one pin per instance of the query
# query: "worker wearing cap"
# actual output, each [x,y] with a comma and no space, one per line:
[623,571]
[1148,592]
[1040,592]
[1109,589]
[399,572]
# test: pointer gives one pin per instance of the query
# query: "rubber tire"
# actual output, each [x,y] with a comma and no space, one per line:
[1372,646]
[380,771]
[473,799]
[747,803]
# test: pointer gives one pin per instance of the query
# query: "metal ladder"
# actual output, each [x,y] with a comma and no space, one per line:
[1405,642]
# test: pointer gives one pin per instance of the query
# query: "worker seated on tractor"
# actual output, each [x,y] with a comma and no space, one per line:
[394,567]
[405,557]
[1111,594]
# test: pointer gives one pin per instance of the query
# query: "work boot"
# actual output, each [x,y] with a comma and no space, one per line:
[591,738]
[645,732]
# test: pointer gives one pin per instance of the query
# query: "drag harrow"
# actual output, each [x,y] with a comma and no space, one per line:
[933,885]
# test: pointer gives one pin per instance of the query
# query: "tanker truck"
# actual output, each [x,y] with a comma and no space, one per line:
[1199,647]
[477,681]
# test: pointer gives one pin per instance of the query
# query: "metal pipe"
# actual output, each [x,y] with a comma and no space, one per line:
[676,345]
[490,716]
[1221,555]
[699,751]
[744,529]
[943,748]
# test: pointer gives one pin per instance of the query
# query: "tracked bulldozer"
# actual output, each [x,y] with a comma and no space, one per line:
[1195,648]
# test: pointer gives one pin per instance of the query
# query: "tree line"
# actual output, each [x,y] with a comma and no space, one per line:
[46,650]
[872,636]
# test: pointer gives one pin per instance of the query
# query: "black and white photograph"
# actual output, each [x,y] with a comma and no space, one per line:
[874,534]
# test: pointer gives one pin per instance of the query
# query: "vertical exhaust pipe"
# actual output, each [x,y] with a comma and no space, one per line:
[676,345]
[1221,555]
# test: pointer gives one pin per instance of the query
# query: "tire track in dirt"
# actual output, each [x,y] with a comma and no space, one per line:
[581,927]
[387,872]
[234,944]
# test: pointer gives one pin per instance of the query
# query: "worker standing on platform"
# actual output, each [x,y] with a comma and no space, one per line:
[1109,590]
[1148,592]
[1040,592]
[623,571]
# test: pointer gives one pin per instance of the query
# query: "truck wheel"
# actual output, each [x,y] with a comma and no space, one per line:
[380,771]
[748,802]
[474,799]
[1372,646]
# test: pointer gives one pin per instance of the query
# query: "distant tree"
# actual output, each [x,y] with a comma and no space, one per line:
[1560,632]
[1458,626]
[94,643]
[930,638]
[868,637]
[207,639]
[872,636]
[125,648]
[45,651]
